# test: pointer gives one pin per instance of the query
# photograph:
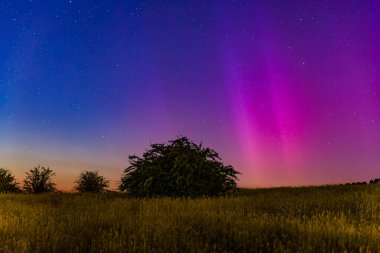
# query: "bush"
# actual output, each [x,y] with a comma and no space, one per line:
[8,183]
[178,169]
[91,181]
[39,180]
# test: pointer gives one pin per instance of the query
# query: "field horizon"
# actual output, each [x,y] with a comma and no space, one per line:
[65,187]
[114,185]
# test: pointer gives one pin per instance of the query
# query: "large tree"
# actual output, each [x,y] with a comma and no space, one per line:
[39,180]
[8,183]
[91,181]
[180,168]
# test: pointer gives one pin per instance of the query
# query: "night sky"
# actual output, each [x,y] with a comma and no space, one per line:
[288,92]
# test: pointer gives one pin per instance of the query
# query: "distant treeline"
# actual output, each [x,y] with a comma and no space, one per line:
[372,181]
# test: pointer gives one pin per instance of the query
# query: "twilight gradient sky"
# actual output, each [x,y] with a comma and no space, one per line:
[288,92]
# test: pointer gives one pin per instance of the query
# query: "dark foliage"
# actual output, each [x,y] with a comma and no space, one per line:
[375,181]
[91,181]
[8,183]
[178,169]
[357,183]
[39,180]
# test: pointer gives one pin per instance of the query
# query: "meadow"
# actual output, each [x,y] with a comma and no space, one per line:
[304,219]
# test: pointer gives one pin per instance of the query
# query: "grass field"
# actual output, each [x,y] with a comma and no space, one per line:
[308,219]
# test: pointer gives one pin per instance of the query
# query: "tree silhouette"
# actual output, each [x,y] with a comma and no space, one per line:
[39,180]
[178,169]
[8,183]
[91,181]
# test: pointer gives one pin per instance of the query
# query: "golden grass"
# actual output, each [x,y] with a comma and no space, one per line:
[307,219]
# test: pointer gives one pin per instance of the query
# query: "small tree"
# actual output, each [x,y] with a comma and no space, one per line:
[8,183]
[180,168]
[91,181]
[39,180]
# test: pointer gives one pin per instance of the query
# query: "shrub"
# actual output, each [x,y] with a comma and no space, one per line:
[178,169]
[39,180]
[8,183]
[91,181]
